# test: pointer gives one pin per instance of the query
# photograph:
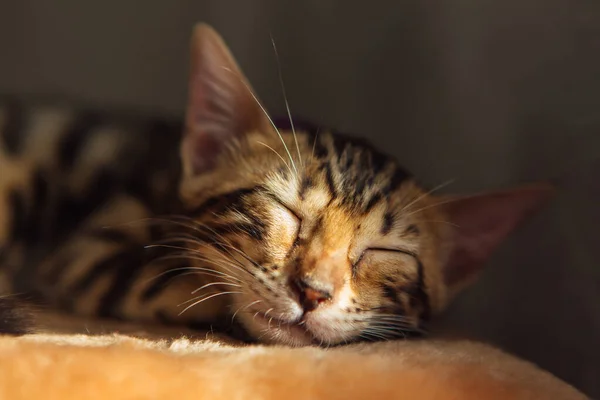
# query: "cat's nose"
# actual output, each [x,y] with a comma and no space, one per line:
[312,293]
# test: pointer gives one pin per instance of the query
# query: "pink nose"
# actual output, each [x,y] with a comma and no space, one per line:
[311,293]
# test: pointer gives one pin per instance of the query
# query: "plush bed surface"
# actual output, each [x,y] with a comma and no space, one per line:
[115,366]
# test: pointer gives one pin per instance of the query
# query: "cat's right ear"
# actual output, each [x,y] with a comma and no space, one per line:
[480,223]
[221,105]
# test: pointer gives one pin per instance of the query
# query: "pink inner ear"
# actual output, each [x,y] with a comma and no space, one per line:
[221,106]
[204,149]
[483,222]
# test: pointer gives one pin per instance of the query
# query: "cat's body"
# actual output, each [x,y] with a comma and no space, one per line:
[305,237]
[72,180]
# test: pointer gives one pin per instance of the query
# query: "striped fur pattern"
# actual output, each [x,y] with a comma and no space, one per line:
[302,237]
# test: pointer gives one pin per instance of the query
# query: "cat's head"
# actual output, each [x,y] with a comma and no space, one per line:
[321,238]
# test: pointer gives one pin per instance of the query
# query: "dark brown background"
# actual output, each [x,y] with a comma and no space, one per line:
[489,92]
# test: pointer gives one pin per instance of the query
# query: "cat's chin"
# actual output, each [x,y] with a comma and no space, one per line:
[270,330]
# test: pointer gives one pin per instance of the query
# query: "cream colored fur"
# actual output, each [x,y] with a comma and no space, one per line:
[65,367]
[145,362]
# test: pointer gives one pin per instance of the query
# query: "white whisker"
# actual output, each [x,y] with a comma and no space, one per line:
[204,299]
[285,99]
[268,118]
[245,307]
[278,155]
[199,257]
[431,206]
[213,284]
[427,194]
[198,270]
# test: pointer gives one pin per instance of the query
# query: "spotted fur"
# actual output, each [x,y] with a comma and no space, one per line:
[303,236]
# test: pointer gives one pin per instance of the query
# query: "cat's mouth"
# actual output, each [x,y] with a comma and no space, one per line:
[277,330]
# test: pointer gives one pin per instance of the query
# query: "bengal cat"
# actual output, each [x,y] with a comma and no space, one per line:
[301,237]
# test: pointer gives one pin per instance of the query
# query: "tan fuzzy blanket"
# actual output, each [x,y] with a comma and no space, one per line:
[50,366]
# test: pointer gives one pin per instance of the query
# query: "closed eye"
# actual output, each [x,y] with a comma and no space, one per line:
[403,251]
[292,220]
[282,204]
[383,249]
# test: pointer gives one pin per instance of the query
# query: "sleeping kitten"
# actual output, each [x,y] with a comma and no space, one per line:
[301,237]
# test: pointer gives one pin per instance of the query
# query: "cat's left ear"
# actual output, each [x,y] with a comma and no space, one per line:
[221,105]
[480,223]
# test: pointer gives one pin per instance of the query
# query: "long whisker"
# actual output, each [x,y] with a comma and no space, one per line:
[395,325]
[389,316]
[268,118]
[153,221]
[287,106]
[391,330]
[187,257]
[226,243]
[245,307]
[204,299]
[197,252]
[213,284]
[240,252]
[383,322]
[369,336]
[278,155]
[406,207]
[375,333]
[223,264]
[193,270]
[403,330]
[439,203]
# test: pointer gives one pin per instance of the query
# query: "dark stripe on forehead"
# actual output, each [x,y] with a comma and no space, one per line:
[307,183]
[321,151]
[318,226]
[342,140]
[399,176]
[329,179]
[388,221]
[376,198]
[339,144]
[370,156]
